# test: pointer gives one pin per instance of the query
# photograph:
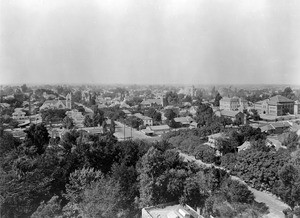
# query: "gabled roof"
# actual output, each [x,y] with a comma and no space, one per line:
[184,120]
[266,128]
[160,127]
[138,115]
[280,99]
[244,146]
[280,124]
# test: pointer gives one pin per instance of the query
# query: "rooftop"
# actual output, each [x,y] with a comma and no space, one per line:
[280,99]
[171,211]
[160,127]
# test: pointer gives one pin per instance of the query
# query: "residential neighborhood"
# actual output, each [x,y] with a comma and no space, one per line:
[149,109]
[206,125]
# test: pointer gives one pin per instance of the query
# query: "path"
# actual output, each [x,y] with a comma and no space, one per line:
[275,205]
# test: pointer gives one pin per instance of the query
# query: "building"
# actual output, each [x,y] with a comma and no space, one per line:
[297,108]
[190,90]
[86,96]
[147,121]
[58,104]
[19,115]
[154,102]
[233,104]
[170,211]
[76,116]
[158,130]
[275,128]
[235,116]
[246,145]
[277,106]
[184,121]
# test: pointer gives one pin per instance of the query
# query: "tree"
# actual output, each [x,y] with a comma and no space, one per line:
[173,124]
[37,138]
[8,143]
[225,145]
[235,191]
[217,99]
[151,112]
[98,117]
[255,115]
[289,189]
[170,114]
[204,115]
[68,123]
[79,180]
[24,88]
[91,194]
[291,141]
[205,153]
[50,209]
[172,98]
[154,173]
[88,122]
[288,92]
[195,191]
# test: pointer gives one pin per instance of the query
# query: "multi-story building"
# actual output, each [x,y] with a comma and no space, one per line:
[58,104]
[277,105]
[232,104]
[147,121]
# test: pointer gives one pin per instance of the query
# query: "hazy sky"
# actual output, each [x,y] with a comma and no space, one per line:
[150,41]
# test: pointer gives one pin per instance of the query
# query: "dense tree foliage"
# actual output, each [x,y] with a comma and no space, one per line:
[53,115]
[95,176]
[172,98]
[217,99]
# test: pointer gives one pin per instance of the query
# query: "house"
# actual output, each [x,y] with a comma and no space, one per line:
[246,145]
[17,133]
[153,102]
[212,139]
[58,104]
[170,210]
[235,116]
[19,115]
[93,130]
[4,105]
[184,121]
[86,95]
[193,110]
[275,128]
[124,105]
[277,106]
[147,121]
[232,104]
[158,130]
[127,112]
[76,116]
[274,142]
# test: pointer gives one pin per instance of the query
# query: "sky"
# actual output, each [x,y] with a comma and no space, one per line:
[150,41]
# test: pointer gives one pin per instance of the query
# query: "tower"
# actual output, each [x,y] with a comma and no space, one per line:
[69,101]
